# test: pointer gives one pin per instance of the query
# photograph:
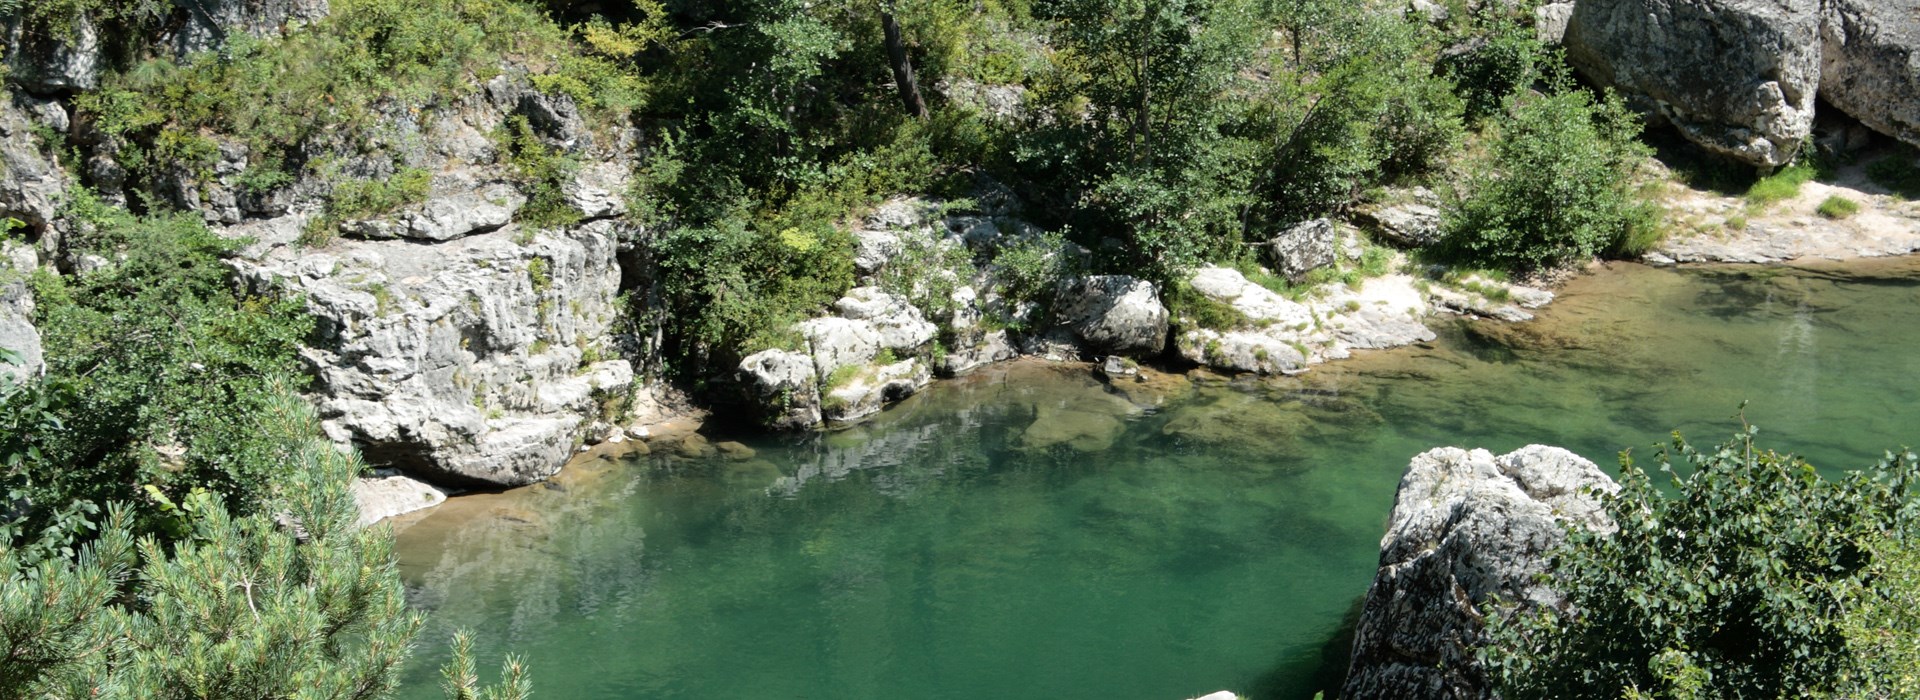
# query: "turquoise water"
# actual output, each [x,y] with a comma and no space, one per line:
[1028,532]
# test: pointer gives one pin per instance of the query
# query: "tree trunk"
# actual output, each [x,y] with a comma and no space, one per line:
[902,68]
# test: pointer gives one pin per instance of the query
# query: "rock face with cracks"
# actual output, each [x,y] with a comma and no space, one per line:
[1467,526]
[1737,77]
[1870,63]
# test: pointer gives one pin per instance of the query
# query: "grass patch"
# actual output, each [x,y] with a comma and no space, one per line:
[1780,186]
[1838,207]
[1201,311]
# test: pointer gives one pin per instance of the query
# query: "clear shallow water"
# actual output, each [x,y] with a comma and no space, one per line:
[1029,533]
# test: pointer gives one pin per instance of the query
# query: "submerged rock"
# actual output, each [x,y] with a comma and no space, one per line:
[389,494]
[1466,526]
[1737,77]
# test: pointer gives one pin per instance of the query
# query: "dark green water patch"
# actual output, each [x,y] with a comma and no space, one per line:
[1031,533]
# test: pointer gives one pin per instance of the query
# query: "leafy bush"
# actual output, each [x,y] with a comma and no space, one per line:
[1898,172]
[1485,76]
[1355,104]
[159,370]
[1556,185]
[1753,578]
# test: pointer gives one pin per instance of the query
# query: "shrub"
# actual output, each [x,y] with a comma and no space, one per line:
[1556,185]
[1488,74]
[1838,207]
[1752,578]
[159,370]
[1781,186]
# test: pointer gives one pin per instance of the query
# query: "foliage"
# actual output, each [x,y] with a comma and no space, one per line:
[1753,578]
[1838,207]
[1500,67]
[1152,158]
[1353,105]
[360,199]
[1781,186]
[544,169]
[299,604]
[159,370]
[1557,185]
[1030,269]
[334,80]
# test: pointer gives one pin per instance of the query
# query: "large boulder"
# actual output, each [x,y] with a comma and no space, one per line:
[1115,315]
[1302,248]
[1467,526]
[784,387]
[473,362]
[45,63]
[1870,63]
[1737,77]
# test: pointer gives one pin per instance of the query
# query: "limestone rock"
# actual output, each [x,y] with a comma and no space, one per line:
[1115,314]
[1550,22]
[1302,248]
[873,388]
[1412,225]
[1466,526]
[32,183]
[464,361]
[1738,77]
[783,384]
[390,494]
[17,333]
[839,342]
[46,65]
[210,22]
[1870,63]
[899,325]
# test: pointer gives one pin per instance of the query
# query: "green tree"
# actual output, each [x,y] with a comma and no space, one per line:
[1160,83]
[1559,183]
[1754,577]
[1353,104]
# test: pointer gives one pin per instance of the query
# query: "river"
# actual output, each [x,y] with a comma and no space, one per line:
[1030,532]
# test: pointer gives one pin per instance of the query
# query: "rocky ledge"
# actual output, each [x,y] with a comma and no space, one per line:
[1467,526]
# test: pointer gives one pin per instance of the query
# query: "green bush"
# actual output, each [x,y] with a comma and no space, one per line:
[1753,576]
[1556,185]
[1355,105]
[1485,76]
[159,371]
[1838,207]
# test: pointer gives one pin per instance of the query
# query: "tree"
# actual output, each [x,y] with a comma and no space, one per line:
[897,59]
[1159,81]
[1754,578]
[1557,185]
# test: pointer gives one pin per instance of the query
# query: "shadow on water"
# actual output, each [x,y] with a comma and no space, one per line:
[1298,678]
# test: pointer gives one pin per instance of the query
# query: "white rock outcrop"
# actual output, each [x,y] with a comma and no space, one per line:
[1467,526]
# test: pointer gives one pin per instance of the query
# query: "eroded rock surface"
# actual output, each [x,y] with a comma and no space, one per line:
[1737,77]
[17,332]
[1870,63]
[1115,314]
[473,361]
[1466,526]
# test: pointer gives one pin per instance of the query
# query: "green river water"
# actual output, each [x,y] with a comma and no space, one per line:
[1028,532]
